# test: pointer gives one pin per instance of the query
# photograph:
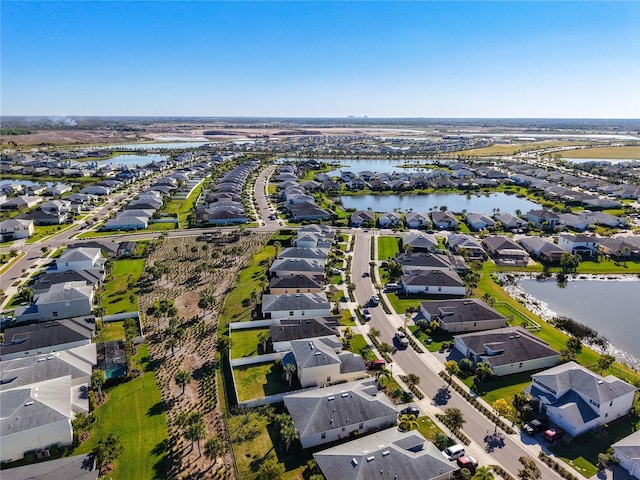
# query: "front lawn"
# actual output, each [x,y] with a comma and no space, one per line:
[428,428]
[143,434]
[501,387]
[245,343]
[120,293]
[258,380]
[388,247]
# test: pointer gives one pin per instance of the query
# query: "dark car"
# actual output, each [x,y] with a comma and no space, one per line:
[535,426]
[410,411]
[554,434]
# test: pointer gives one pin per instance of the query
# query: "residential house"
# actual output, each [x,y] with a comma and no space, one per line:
[21,203]
[627,452]
[59,189]
[290,266]
[505,251]
[542,249]
[417,220]
[62,300]
[507,350]
[464,315]
[479,222]
[510,222]
[433,282]
[466,246]
[307,211]
[298,305]
[363,218]
[77,467]
[416,262]
[284,332]
[445,220]
[317,254]
[126,223]
[419,242]
[389,220]
[296,283]
[340,412]
[16,229]
[583,245]
[80,259]
[92,277]
[578,400]
[545,219]
[391,453]
[35,339]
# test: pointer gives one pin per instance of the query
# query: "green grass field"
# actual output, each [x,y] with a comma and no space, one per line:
[259,380]
[143,434]
[628,152]
[111,331]
[514,148]
[184,207]
[388,247]
[245,343]
[238,305]
[118,296]
[43,231]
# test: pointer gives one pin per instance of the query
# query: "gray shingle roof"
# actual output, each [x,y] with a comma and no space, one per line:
[297,301]
[437,278]
[463,310]
[332,407]
[514,343]
[389,454]
[299,329]
[78,467]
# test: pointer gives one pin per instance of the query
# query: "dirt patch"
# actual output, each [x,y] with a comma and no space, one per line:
[183,284]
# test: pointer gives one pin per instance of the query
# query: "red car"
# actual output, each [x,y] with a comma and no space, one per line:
[553,434]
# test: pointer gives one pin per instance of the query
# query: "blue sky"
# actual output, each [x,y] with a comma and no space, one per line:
[321,59]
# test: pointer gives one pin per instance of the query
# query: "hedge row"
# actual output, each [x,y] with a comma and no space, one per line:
[502,472]
[376,343]
[563,472]
[478,406]
[413,388]
[458,433]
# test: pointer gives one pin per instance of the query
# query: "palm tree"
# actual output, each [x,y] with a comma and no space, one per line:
[289,370]
[483,473]
[263,338]
[412,380]
[213,448]
[384,377]
[289,434]
[107,450]
[408,422]
[483,371]
[171,344]
[452,368]
[196,432]
[182,378]
[453,419]
[98,378]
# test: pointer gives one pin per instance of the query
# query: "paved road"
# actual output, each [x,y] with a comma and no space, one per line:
[426,366]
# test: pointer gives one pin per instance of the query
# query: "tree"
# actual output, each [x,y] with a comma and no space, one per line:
[605,361]
[196,431]
[483,473]
[182,379]
[502,409]
[408,422]
[98,378]
[107,450]
[441,441]
[207,300]
[452,368]
[529,470]
[263,338]
[384,377]
[213,448]
[483,371]
[271,470]
[453,419]
[569,262]
[81,423]
[289,434]
[27,293]
[100,311]
[171,344]
[574,345]
[289,370]
[412,380]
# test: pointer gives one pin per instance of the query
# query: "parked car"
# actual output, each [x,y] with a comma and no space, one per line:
[468,462]
[365,274]
[535,426]
[391,286]
[410,411]
[375,299]
[554,434]
[366,314]
[377,364]
[402,339]
[453,452]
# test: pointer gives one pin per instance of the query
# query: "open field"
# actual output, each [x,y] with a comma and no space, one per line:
[143,434]
[627,152]
[119,296]
[514,148]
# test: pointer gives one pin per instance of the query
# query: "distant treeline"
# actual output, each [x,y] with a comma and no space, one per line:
[16,131]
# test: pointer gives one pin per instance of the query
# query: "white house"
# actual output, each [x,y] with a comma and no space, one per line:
[321,362]
[583,245]
[578,400]
[417,219]
[79,259]
[433,282]
[340,412]
[461,316]
[507,350]
[627,452]
[16,228]
[298,305]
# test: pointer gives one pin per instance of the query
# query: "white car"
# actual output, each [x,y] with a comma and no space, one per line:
[402,339]
[366,314]
[453,452]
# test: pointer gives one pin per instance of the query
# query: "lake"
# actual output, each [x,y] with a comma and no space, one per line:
[611,307]
[609,160]
[355,165]
[130,160]
[454,202]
